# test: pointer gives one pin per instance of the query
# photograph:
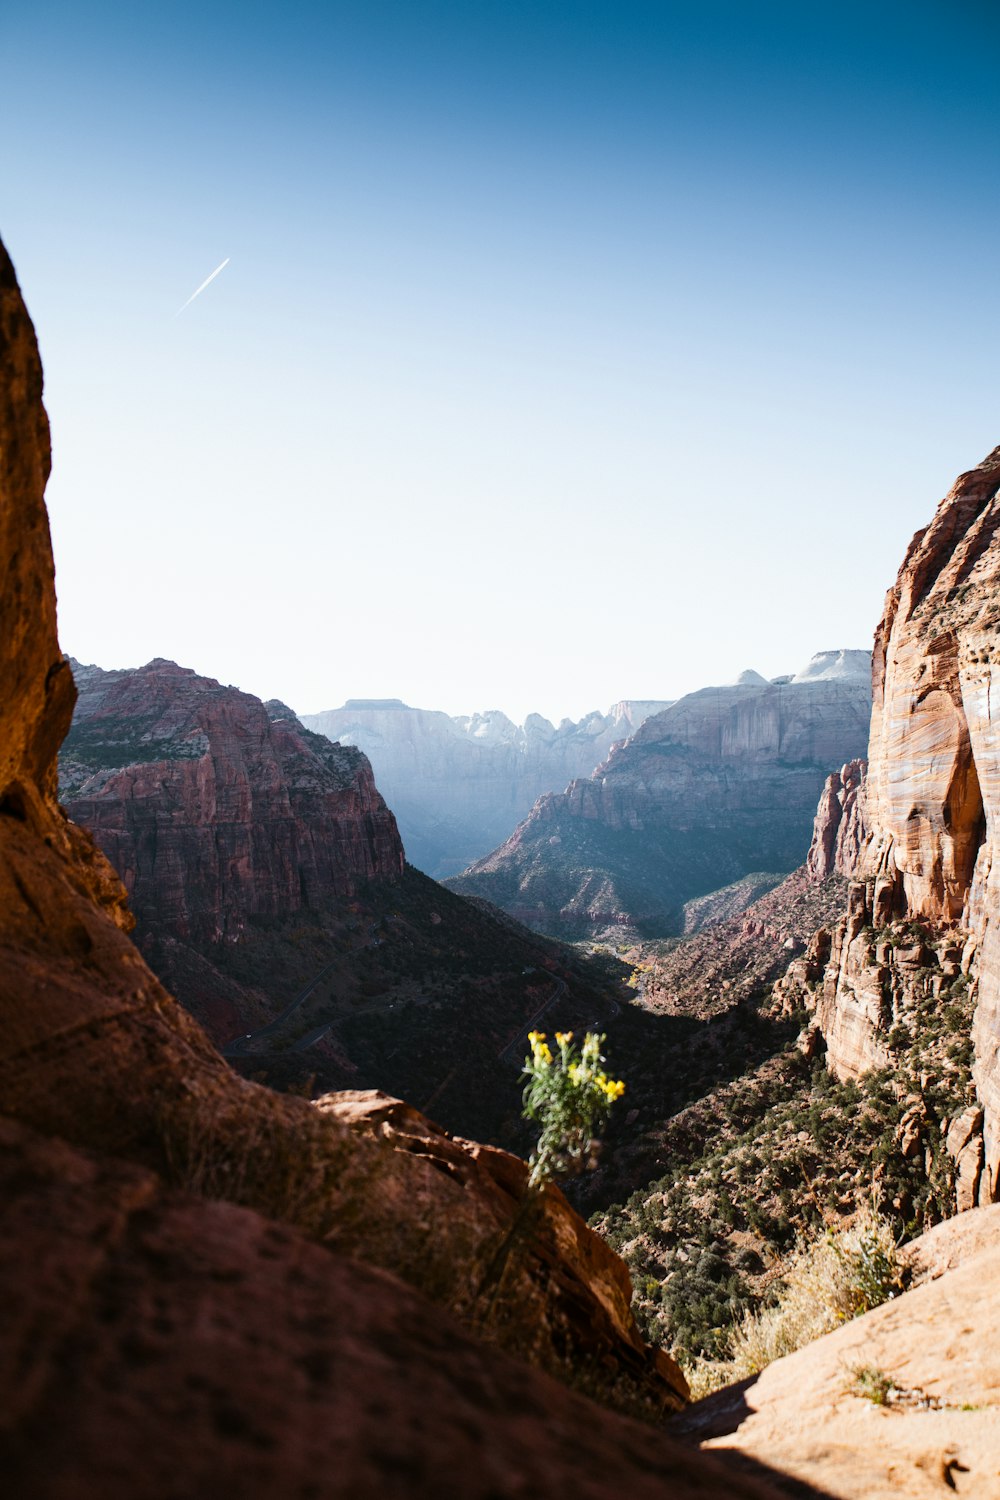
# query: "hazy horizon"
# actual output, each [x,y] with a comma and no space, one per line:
[461,712]
[553,350]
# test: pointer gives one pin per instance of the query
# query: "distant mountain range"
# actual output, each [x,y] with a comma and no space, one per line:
[720,785]
[458,786]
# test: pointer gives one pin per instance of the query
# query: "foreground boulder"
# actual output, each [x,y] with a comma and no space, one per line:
[156,1346]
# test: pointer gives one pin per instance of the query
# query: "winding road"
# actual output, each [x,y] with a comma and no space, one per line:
[238,1046]
[520,1041]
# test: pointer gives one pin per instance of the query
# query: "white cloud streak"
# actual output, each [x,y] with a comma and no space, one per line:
[198,291]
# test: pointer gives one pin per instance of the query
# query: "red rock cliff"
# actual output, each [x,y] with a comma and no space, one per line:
[214,807]
[840,829]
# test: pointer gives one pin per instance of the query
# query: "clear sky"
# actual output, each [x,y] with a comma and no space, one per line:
[567,351]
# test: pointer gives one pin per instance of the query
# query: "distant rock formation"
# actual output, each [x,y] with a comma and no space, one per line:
[215,808]
[722,784]
[458,786]
[840,830]
[837,666]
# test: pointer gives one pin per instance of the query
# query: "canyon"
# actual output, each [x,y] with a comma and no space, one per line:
[286,1292]
[458,786]
[177,1238]
[722,784]
[271,894]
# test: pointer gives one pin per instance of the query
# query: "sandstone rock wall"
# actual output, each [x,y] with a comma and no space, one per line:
[214,807]
[924,912]
[840,829]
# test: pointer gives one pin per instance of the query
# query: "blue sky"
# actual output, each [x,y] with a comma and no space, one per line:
[566,351]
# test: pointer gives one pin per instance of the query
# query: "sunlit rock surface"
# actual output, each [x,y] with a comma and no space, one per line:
[924,913]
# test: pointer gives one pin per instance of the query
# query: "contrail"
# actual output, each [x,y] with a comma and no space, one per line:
[204,284]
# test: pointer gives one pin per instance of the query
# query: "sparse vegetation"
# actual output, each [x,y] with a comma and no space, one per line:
[825,1283]
[872,1384]
[756,1170]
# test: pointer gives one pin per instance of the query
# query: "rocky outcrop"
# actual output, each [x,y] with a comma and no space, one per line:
[722,784]
[95,1052]
[215,808]
[460,785]
[840,828]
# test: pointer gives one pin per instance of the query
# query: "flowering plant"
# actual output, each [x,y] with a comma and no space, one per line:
[569,1095]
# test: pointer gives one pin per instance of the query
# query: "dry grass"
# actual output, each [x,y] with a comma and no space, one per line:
[826,1284]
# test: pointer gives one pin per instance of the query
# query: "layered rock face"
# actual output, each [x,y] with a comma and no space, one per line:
[722,784]
[215,808]
[118,1267]
[458,786]
[923,922]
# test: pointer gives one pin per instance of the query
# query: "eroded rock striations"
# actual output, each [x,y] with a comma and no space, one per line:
[460,785]
[116,1281]
[923,922]
[722,784]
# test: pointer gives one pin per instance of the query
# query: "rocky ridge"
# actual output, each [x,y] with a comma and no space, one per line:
[459,785]
[721,784]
